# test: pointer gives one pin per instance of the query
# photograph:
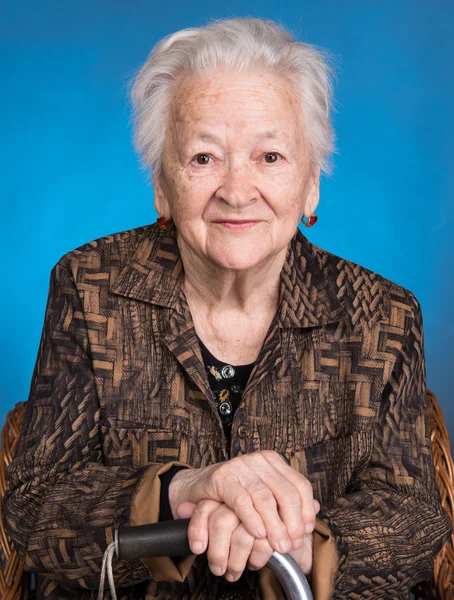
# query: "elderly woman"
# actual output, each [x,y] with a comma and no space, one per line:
[218,365]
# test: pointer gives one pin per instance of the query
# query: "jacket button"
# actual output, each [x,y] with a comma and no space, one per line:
[243,431]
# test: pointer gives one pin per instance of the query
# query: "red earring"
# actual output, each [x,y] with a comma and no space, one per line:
[162,223]
[311,221]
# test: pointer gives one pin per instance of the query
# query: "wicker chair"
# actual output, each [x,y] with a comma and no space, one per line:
[16,584]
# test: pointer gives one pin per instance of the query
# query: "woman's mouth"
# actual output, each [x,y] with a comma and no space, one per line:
[237,224]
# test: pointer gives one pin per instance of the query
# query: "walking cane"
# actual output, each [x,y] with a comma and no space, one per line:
[169,538]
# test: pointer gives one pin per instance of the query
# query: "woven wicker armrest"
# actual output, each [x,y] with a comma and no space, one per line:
[14,581]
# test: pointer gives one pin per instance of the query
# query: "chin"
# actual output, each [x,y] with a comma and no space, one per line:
[239,259]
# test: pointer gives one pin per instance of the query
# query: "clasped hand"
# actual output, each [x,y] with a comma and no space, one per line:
[244,509]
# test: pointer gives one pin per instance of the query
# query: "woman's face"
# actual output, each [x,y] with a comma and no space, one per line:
[236,168]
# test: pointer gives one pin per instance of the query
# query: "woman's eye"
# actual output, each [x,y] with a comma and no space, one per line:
[202,159]
[271,157]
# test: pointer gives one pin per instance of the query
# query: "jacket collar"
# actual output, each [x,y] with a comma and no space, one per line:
[309,295]
[153,273]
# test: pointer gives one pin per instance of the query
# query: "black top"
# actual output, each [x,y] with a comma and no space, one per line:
[227,383]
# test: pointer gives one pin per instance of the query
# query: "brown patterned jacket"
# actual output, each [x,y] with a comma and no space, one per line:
[120,394]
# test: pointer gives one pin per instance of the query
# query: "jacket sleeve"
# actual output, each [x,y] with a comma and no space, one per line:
[390,525]
[62,502]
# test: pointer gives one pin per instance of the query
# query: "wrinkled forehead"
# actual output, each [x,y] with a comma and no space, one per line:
[258,103]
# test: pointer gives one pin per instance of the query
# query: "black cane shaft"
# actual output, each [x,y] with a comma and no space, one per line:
[168,538]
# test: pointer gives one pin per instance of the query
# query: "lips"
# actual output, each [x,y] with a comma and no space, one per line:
[237,224]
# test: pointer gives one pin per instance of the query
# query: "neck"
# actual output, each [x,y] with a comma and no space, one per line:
[219,288]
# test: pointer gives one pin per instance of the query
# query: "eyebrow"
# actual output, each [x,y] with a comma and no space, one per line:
[265,135]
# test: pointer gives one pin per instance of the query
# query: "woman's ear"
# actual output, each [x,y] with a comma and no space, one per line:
[313,196]
[160,200]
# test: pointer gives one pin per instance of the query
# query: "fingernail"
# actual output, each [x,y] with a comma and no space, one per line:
[196,547]
[298,543]
[261,532]
[216,570]
[308,528]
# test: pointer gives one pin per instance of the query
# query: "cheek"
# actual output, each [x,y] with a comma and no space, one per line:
[190,197]
[286,195]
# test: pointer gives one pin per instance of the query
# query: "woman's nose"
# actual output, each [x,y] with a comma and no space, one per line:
[237,187]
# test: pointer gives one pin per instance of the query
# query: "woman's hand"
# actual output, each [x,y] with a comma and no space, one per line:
[230,547]
[270,498]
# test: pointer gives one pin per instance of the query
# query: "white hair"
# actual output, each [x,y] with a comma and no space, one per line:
[239,44]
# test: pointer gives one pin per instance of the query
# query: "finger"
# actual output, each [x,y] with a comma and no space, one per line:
[260,554]
[301,483]
[221,524]
[198,525]
[244,485]
[185,510]
[266,501]
[241,545]
[228,487]
[284,524]
[316,506]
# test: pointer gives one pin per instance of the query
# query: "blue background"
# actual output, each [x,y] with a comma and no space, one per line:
[69,174]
